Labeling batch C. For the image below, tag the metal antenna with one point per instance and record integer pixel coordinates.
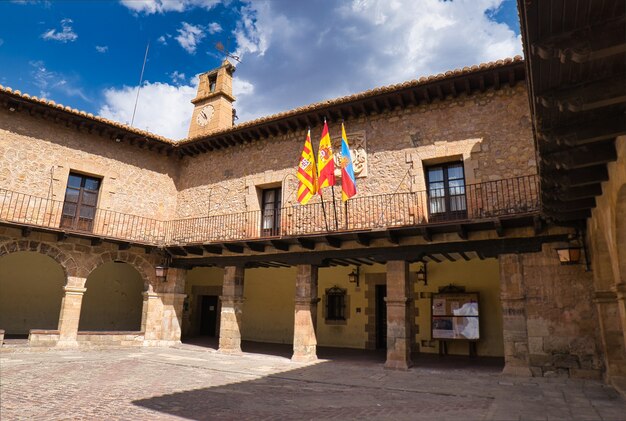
(224, 50)
(132, 120)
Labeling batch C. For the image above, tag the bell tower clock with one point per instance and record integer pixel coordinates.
(213, 109)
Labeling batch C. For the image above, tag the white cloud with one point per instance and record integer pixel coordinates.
(189, 36)
(177, 77)
(162, 6)
(214, 28)
(163, 109)
(49, 81)
(162, 40)
(296, 53)
(66, 34)
(102, 48)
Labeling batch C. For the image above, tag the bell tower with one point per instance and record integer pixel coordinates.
(213, 109)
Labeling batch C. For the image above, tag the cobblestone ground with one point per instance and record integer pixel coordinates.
(190, 382)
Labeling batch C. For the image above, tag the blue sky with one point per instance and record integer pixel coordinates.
(88, 54)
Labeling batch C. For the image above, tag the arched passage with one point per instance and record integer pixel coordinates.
(113, 300)
(31, 291)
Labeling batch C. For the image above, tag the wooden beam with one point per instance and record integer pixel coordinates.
(392, 237)
(363, 239)
(589, 96)
(233, 247)
(61, 236)
(497, 224)
(461, 230)
(306, 244)
(572, 205)
(537, 225)
(583, 156)
(577, 177)
(96, 241)
(27, 231)
(333, 241)
(215, 249)
(195, 250)
(447, 256)
(433, 258)
(426, 234)
(587, 132)
(575, 193)
(260, 247)
(464, 256)
(123, 246)
(280, 245)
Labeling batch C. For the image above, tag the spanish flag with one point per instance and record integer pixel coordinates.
(348, 182)
(307, 174)
(325, 161)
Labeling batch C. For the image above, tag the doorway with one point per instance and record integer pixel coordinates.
(381, 317)
(208, 315)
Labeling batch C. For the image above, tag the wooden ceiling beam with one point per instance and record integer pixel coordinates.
(582, 156)
(587, 132)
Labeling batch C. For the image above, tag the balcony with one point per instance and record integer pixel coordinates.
(475, 202)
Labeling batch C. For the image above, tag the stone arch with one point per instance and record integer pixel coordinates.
(113, 299)
(620, 231)
(138, 262)
(31, 292)
(67, 263)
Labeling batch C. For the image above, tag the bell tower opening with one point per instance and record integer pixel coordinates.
(213, 103)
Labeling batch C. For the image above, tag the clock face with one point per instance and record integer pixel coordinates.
(204, 116)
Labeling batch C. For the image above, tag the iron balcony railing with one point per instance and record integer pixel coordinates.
(508, 197)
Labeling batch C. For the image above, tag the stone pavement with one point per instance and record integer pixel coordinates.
(191, 382)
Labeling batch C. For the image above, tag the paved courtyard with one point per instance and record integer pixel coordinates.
(193, 382)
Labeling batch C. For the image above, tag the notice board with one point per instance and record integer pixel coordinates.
(455, 316)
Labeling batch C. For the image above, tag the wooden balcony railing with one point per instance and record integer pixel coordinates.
(492, 199)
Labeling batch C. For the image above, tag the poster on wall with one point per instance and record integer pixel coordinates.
(455, 316)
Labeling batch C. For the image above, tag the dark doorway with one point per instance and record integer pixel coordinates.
(381, 317)
(208, 315)
(270, 209)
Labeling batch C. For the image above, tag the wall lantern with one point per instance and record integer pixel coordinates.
(354, 276)
(569, 255)
(422, 274)
(161, 270)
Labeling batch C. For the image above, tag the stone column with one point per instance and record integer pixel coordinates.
(611, 332)
(162, 317)
(620, 291)
(515, 330)
(304, 339)
(398, 316)
(69, 317)
(232, 307)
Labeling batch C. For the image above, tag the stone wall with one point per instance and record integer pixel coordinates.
(37, 155)
(489, 131)
(549, 320)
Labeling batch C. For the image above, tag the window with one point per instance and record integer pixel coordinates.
(446, 191)
(270, 212)
(335, 304)
(81, 198)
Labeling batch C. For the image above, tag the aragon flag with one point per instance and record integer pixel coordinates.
(307, 173)
(348, 181)
(325, 161)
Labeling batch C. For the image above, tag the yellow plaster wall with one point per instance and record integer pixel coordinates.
(268, 309)
(480, 276)
(351, 334)
(31, 290)
(113, 300)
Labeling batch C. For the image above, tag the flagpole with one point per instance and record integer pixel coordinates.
(324, 210)
(335, 207)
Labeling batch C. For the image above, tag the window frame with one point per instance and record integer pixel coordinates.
(271, 212)
(446, 199)
(76, 220)
(336, 309)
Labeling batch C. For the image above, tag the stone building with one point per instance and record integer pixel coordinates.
(453, 213)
